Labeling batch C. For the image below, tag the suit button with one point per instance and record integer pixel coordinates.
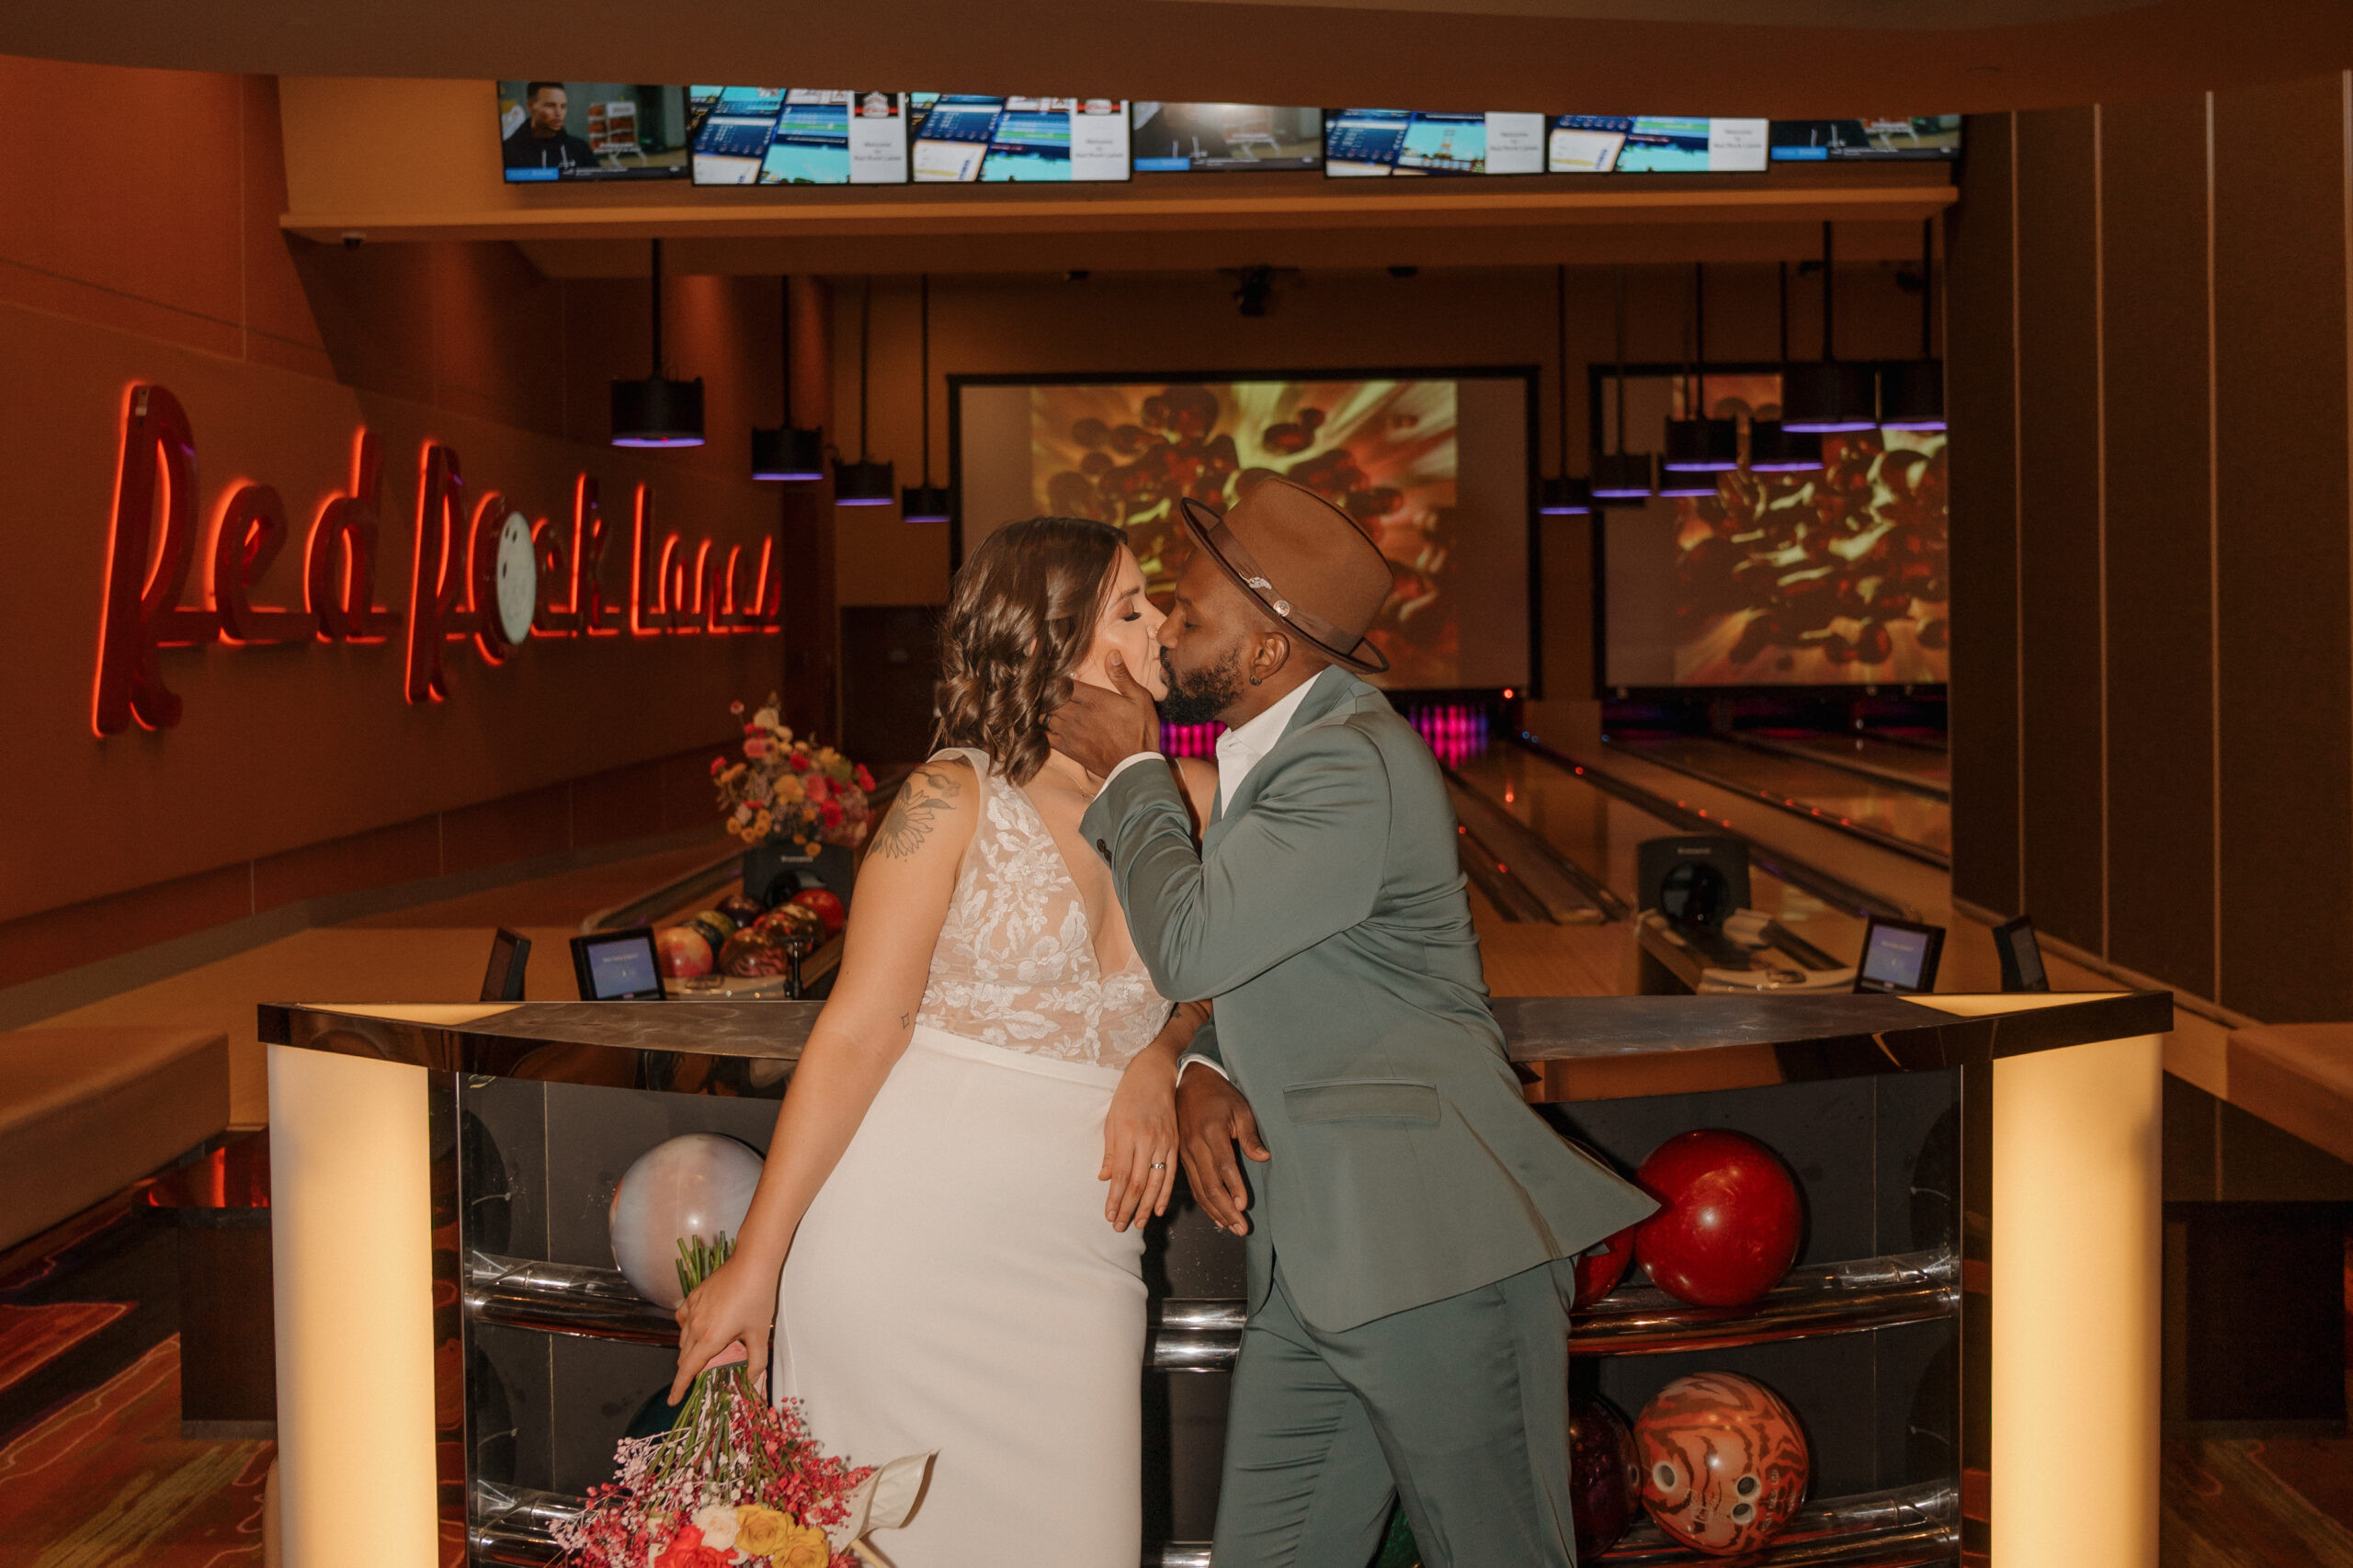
(1103, 849)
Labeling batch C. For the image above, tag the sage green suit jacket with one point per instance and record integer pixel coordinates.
(1324, 914)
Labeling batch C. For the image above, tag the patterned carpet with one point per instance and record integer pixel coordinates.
(106, 1481)
(94, 1473)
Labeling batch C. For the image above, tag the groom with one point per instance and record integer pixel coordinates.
(1408, 1217)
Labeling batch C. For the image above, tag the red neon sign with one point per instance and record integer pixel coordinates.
(676, 587)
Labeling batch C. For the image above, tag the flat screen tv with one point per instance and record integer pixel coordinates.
(1185, 138)
(1665, 143)
(799, 136)
(1888, 137)
(561, 131)
(1433, 463)
(1378, 142)
(958, 138)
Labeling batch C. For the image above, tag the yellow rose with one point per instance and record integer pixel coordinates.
(802, 1548)
(789, 790)
(771, 1533)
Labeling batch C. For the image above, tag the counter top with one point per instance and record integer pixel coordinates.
(1566, 1048)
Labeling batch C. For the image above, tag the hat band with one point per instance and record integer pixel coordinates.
(1238, 555)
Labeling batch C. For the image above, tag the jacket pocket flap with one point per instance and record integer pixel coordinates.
(1400, 1101)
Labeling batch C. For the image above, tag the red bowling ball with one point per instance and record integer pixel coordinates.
(1599, 1272)
(1605, 1477)
(1723, 1462)
(1729, 1220)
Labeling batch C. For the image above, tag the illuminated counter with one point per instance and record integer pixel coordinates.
(1969, 1337)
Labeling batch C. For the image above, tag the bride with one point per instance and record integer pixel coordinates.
(952, 1276)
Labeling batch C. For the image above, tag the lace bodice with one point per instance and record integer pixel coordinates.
(1016, 964)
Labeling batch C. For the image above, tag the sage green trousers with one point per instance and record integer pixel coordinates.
(1459, 1409)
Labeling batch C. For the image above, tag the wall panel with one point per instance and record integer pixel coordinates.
(2279, 275)
(2160, 671)
(1978, 386)
(2059, 523)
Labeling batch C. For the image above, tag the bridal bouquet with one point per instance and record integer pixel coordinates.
(735, 1481)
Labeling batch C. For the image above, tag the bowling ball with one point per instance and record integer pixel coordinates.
(1723, 1462)
(755, 954)
(715, 927)
(828, 908)
(742, 908)
(1599, 1272)
(699, 1184)
(1729, 1220)
(682, 952)
(1605, 1477)
(789, 923)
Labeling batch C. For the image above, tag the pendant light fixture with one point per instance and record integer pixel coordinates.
(1912, 392)
(658, 412)
(786, 452)
(1620, 475)
(864, 482)
(1828, 397)
(1563, 494)
(1773, 447)
(925, 503)
(1698, 447)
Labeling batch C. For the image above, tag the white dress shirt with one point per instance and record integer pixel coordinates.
(1238, 751)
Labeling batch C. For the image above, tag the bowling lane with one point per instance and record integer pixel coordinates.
(1912, 767)
(1599, 831)
(1901, 818)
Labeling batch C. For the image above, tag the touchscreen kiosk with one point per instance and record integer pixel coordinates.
(1899, 956)
(503, 979)
(618, 966)
(2021, 956)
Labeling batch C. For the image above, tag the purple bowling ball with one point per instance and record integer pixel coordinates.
(1605, 1477)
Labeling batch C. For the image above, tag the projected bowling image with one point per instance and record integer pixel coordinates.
(1828, 577)
(1382, 450)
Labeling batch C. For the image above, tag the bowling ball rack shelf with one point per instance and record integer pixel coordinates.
(1893, 1529)
(1204, 1335)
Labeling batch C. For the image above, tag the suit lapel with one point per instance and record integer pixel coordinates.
(1333, 691)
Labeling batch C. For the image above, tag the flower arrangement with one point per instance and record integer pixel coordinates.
(783, 787)
(736, 1481)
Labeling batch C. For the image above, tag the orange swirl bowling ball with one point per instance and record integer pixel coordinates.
(1724, 1463)
(1729, 1221)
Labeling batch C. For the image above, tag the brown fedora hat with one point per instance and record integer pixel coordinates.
(1306, 562)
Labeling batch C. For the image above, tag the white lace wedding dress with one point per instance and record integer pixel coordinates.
(955, 1285)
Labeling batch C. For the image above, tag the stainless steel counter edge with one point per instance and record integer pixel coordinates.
(1570, 1047)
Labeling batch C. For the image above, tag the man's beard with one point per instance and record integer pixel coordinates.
(1200, 697)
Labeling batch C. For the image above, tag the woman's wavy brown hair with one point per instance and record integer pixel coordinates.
(1021, 616)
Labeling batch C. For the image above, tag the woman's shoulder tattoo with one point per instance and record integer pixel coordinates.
(928, 793)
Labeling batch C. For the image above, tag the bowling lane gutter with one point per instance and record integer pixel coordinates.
(1854, 765)
(1831, 889)
(1819, 815)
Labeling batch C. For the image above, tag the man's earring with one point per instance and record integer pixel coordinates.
(1254, 680)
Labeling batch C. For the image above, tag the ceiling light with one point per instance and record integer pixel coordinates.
(657, 411)
(1563, 497)
(785, 451)
(925, 503)
(1774, 447)
(864, 481)
(1827, 397)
